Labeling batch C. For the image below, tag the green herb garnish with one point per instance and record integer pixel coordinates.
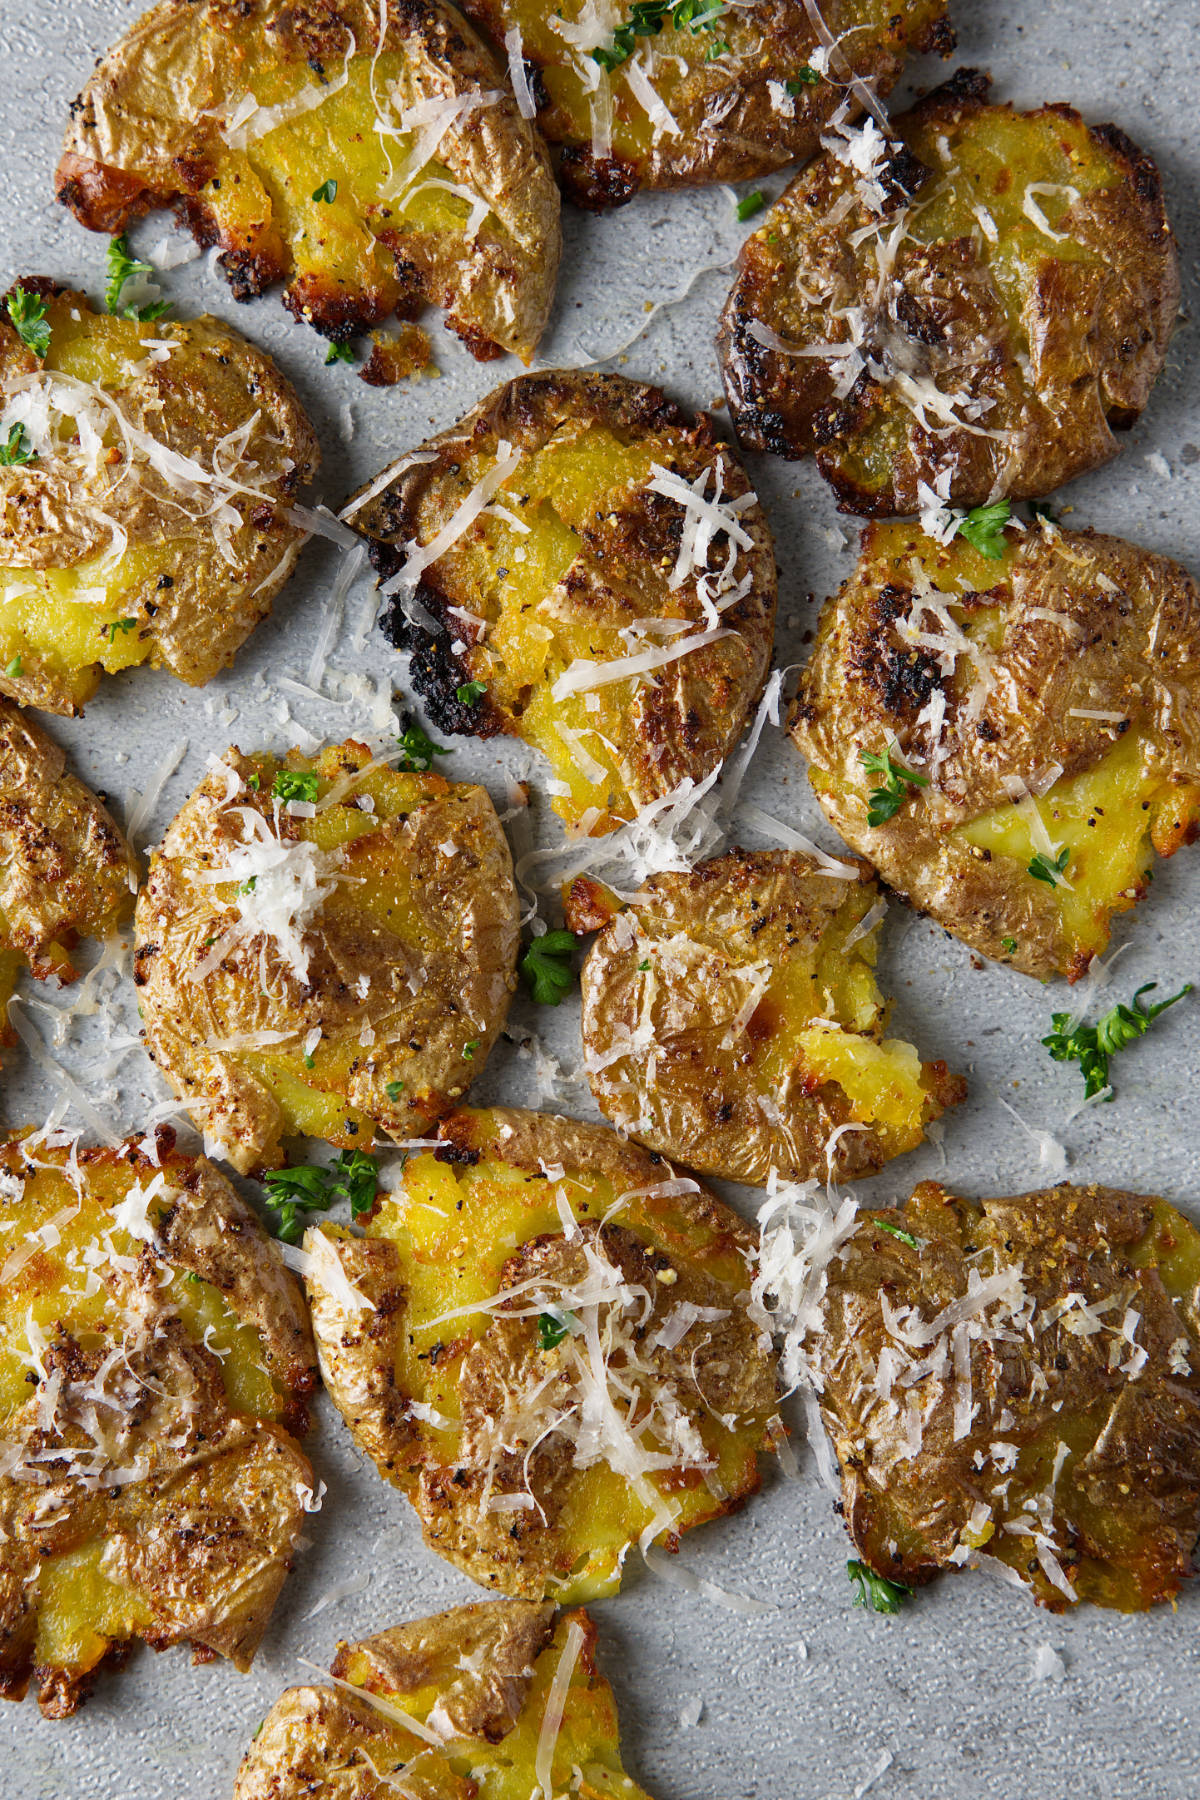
(28, 314)
(296, 784)
(552, 1328)
(254, 782)
(15, 453)
(13, 669)
(1009, 944)
(248, 886)
(393, 1089)
(470, 1049)
(875, 1592)
(750, 204)
(471, 692)
(906, 1237)
(983, 527)
(340, 353)
(1050, 869)
(121, 625)
(293, 1192)
(647, 18)
(643, 966)
(122, 267)
(419, 751)
(546, 966)
(1091, 1046)
(803, 78)
(326, 194)
(885, 801)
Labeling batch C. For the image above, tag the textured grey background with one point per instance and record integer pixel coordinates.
(805, 1704)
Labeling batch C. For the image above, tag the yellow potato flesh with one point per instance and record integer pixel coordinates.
(453, 1259)
(586, 1741)
(44, 616)
(80, 1609)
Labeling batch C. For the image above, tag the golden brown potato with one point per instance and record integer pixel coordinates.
(731, 1019)
(479, 1678)
(543, 1341)
(721, 97)
(150, 523)
(155, 1357)
(66, 871)
(1019, 1387)
(323, 946)
(1042, 696)
(977, 303)
(375, 170)
(589, 525)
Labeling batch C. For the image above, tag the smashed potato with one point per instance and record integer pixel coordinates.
(155, 1358)
(708, 93)
(1040, 695)
(480, 1679)
(1019, 1389)
(370, 155)
(605, 588)
(965, 310)
(543, 1341)
(731, 1019)
(325, 945)
(149, 523)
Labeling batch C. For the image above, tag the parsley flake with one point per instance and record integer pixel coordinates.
(122, 267)
(885, 801)
(471, 692)
(1009, 944)
(293, 1192)
(13, 669)
(419, 750)
(750, 204)
(1091, 1046)
(1051, 870)
(28, 314)
(647, 18)
(393, 1089)
(470, 1049)
(875, 1592)
(803, 78)
(546, 966)
(17, 451)
(552, 1328)
(906, 1237)
(326, 194)
(296, 784)
(983, 528)
(340, 353)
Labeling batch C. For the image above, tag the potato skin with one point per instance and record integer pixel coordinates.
(731, 128)
(193, 608)
(678, 724)
(1122, 1512)
(672, 961)
(437, 1002)
(1053, 370)
(672, 1250)
(142, 135)
(1089, 624)
(205, 1533)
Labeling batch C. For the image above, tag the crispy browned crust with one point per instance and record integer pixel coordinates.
(1125, 1510)
(1131, 646)
(195, 607)
(465, 965)
(692, 1092)
(1078, 363)
(64, 862)
(519, 1553)
(686, 720)
(730, 128)
(141, 139)
(205, 1536)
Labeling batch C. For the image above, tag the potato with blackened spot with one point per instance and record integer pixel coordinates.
(155, 1361)
(325, 945)
(66, 870)
(543, 1340)
(479, 1678)
(369, 155)
(605, 587)
(710, 92)
(966, 309)
(149, 522)
(1043, 695)
(1011, 1382)
(731, 1019)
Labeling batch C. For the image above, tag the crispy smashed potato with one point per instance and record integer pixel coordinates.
(998, 289)
(543, 1341)
(155, 1358)
(321, 964)
(1019, 1388)
(479, 1677)
(602, 533)
(369, 155)
(1041, 696)
(151, 523)
(717, 94)
(731, 1019)
(66, 870)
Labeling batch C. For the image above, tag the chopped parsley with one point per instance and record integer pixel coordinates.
(122, 267)
(1041, 510)
(121, 625)
(647, 18)
(1009, 944)
(750, 204)
(310, 1062)
(470, 1049)
(326, 194)
(393, 1089)
(1050, 869)
(875, 1592)
(13, 669)
(552, 1328)
(546, 966)
(471, 692)
(293, 1192)
(906, 1237)
(248, 886)
(643, 966)
(983, 528)
(419, 751)
(340, 353)
(296, 784)
(17, 450)
(28, 314)
(803, 78)
(885, 801)
(254, 782)
(1091, 1046)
